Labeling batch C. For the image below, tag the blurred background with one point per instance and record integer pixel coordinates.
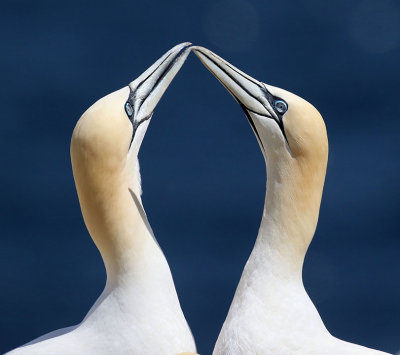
(202, 170)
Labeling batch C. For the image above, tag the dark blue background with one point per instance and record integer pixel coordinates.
(202, 170)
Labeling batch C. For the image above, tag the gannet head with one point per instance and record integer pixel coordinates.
(293, 140)
(109, 134)
(284, 123)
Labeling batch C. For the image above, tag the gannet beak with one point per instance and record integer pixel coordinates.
(251, 94)
(149, 87)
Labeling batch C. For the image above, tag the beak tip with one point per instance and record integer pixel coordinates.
(159, 76)
(183, 50)
(198, 48)
(199, 51)
(180, 48)
(183, 45)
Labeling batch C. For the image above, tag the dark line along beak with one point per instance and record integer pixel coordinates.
(147, 90)
(251, 94)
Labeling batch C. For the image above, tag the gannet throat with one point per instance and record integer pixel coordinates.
(271, 312)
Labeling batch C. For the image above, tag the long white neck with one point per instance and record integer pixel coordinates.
(270, 300)
(113, 212)
(139, 299)
(293, 196)
(104, 200)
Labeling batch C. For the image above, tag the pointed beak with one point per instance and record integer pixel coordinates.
(251, 94)
(147, 90)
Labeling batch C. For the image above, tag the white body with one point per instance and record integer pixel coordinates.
(271, 312)
(138, 313)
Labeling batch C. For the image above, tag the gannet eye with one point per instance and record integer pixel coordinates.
(280, 106)
(129, 109)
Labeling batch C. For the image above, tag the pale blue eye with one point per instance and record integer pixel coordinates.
(280, 106)
(129, 109)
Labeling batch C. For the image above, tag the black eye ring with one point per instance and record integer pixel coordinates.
(129, 109)
(280, 106)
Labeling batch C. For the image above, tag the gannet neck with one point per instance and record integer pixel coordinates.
(271, 312)
(112, 209)
(139, 300)
(292, 202)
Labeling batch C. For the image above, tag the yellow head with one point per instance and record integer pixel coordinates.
(283, 122)
(108, 136)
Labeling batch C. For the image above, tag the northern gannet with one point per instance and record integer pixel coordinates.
(138, 311)
(271, 312)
